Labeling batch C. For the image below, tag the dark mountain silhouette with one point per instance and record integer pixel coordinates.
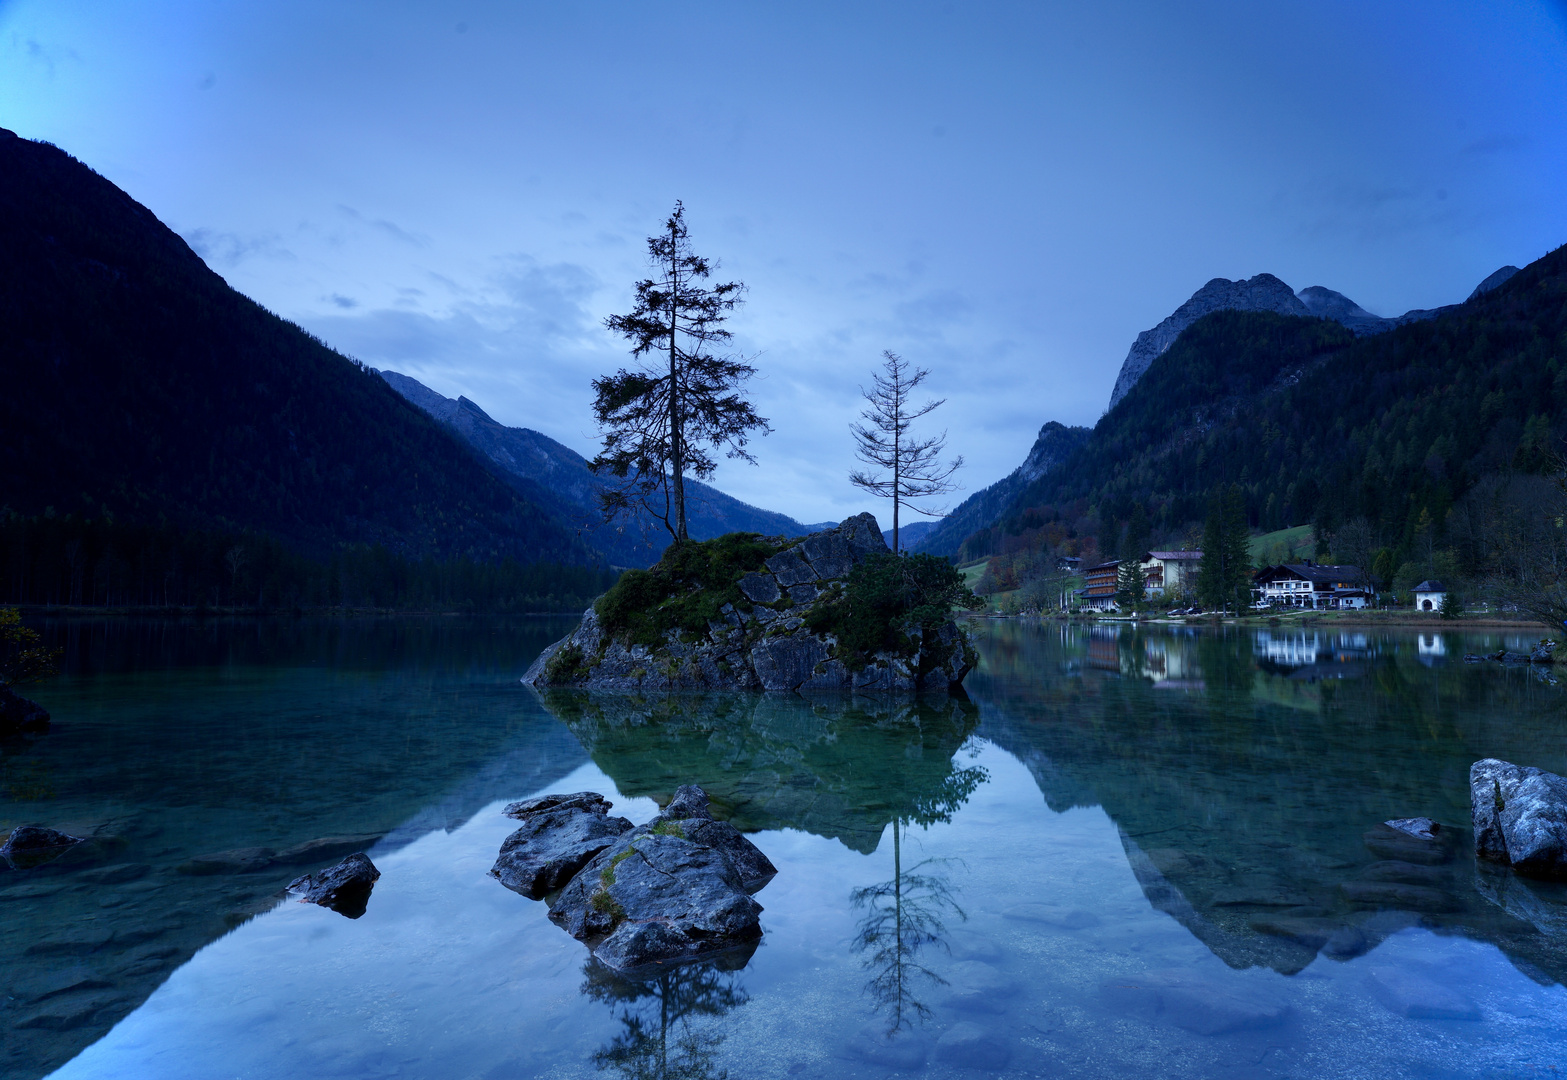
(1317, 424)
(139, 387)
(559, 477)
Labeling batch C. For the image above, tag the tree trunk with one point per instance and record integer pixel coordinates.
(676, 450)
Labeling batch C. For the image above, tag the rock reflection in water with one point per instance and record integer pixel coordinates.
(842, 768)
(662, 1035)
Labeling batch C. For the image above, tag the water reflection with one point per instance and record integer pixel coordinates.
(1251, 813)
(662, 1036)
(174, 740)
(1171, 827)
(841, 768)
(901, 917)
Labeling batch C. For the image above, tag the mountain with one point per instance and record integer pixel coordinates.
(910, 533)
(558, 476)
(1315, 423)
(1055, 444)
(1267, 293)
(140, 387)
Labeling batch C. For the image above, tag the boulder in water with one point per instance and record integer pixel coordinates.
(1520, 817)
(673, 890)
(345, 888)
(33, 845)
(559, 835)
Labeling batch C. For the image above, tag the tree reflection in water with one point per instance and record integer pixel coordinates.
(909, 911)
(659, 1040)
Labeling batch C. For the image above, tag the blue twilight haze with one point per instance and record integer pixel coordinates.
(1004, 193)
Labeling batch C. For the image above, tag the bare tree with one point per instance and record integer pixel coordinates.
(885, 443)
(660, 421)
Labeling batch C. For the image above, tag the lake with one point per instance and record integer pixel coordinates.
(1148, 852)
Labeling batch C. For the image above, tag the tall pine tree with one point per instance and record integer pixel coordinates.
(1224, 575)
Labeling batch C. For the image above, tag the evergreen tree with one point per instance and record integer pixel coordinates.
(1237, 551)
(1224, 574)
(1451, 608)
(1131, 584)
(661, 421)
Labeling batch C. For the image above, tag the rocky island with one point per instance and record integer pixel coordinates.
(835, 610)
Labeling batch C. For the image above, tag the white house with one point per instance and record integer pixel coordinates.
(1170, 572)
(1429, 596)
(1310, 585)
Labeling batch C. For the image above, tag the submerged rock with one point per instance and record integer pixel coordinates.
(234, 861)
(1400, 844)
(559, 835)
(1198, 1001)
(345, 888)
(32, 845)
(1421, 828)
(971, 1046)
(895, 1049)
(764, 639)
(1416, 997)
(1520, 817)
(18, 714)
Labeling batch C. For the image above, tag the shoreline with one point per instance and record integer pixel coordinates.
(1378, 620)
(172, 612)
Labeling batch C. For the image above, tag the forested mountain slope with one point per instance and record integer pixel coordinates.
(557, 474)
(1056, 444)
(140, 387)
(1316, 424)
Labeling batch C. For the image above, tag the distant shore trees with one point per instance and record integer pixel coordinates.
(661, 421)
(904, 467)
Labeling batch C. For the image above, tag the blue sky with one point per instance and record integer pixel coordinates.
(1004, 193)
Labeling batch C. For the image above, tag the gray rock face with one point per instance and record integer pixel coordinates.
(1267, 293)
(344, 888)
(31, 845)
(556, 840)
(657, 898)
(765, 644)
(673, 890)
(688, 813)
(1261, 293)
(1520, 817)
(1500, 277)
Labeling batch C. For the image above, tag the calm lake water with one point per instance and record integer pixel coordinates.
(1147, 853)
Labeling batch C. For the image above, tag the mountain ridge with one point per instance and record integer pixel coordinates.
(1265, 292)
(142, 387)
(557, 475)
